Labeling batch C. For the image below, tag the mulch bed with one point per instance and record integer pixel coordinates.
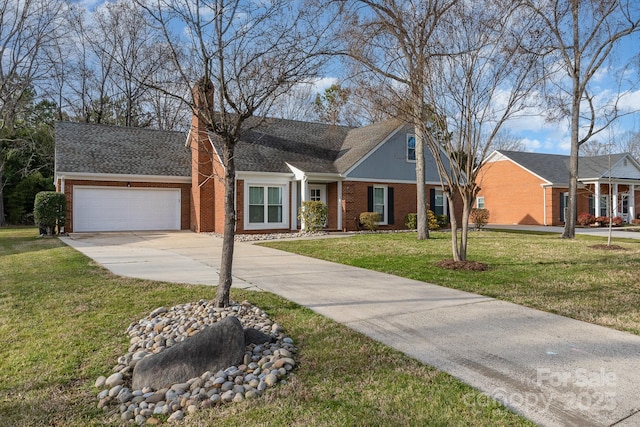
(608, 247)
(450, 264)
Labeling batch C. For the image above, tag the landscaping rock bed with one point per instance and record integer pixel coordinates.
(264, 365)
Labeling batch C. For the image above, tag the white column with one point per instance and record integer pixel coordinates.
(614, 205)
(596, 202)
(339, 220)
(632, 202)
(294, 204)
(304, 196)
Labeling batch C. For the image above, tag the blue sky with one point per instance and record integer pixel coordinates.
(537, 133)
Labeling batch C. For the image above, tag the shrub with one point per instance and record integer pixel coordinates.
(49, 211)
(617, 221)
(313, 214)
(635, 221)
(602, 220)
(585, 219)
(370, 220)
(480, 217)
(411, 221)
(443, 220)
(432, 221)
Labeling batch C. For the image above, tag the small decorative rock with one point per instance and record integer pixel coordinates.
(114, 380)
(267, 359)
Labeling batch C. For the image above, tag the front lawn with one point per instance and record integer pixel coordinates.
(63, 322)
(538, 270)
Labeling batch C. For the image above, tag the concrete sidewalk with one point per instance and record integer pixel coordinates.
(553, 370)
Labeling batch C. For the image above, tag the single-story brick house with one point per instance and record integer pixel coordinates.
(532, 188)
(118, 179)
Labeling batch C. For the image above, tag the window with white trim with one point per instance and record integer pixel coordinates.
(266, 205)
(480, 203)
(380, 202)
(604, 205)
(411, 148)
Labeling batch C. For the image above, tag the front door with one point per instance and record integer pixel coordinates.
(624, 202)
(318, 193)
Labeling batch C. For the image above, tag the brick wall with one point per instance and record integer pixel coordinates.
(185, 203)
(354, 195)
(202, 216)
(513, 195)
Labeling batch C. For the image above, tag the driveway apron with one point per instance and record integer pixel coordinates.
(553, 370)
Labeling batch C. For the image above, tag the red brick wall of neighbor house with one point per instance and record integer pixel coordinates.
(185, 203)
(512, 195)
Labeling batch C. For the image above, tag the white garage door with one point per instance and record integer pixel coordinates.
(125, 209)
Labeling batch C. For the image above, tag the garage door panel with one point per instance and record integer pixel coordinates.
(125, 209)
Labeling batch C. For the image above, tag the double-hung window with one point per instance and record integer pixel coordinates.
(380, 202)
(411, 148)
(266, 205)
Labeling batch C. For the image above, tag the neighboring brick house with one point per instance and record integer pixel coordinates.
(132, 179)
(119, 178)
(532, 188)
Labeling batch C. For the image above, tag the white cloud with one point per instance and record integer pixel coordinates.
(324, 83)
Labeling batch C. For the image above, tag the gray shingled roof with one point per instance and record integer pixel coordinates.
(310, 147)
(555, 167)
(92, 148)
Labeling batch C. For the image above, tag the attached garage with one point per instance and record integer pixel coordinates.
(122, 178)
(125, 209)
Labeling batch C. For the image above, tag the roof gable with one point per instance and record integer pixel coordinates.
(310, 147)
(554, 168)
(107, 149)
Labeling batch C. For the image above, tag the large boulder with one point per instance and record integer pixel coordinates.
(254, 336)
(214, 348)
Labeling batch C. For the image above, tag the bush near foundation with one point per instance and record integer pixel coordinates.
(313, 214)
(49, 211)
(480, 217)
(586, 219)
(370, 220)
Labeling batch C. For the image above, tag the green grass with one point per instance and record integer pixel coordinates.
(63, 322)
(538, 270)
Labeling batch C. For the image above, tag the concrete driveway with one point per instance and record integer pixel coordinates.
(553, 370)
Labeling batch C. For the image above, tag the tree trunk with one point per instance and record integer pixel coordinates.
(466, 212)
(454, 228)
(421, 189)
(2, 222)
(576, 94)
(225, 280)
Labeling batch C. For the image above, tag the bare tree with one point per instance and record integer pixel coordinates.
(133, 52)
(297, 104)
(473, 92)
(584, 34)
(27, 28)
(508, 141)
(241, 57)
(395, 41)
